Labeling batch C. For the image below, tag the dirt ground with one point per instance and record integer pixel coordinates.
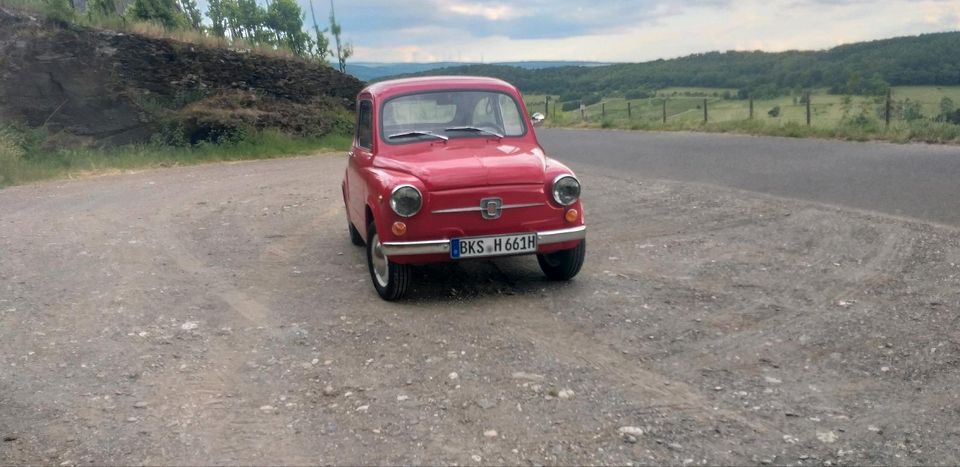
(219, 315)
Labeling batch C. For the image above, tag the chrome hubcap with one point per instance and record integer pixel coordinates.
(381, 266)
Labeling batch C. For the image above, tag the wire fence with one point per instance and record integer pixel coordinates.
(820, 110)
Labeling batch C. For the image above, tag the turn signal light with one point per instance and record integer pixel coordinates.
(399, 228)
(572, 215)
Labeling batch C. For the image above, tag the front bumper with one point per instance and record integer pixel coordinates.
(430, 247)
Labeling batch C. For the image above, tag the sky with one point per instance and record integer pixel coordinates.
(618, 30)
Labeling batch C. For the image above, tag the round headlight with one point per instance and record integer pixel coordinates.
(566, 190)
(406, 200)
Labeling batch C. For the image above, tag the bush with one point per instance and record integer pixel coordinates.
(591, 99)
(59, 10)
(952, 117)
(11, 146)
(638, 94)
(774, 112)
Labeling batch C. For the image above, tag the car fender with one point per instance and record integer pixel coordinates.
(380, 183)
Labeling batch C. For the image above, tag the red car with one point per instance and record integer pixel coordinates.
(449, 168)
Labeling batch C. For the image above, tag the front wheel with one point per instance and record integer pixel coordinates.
(390, 279)
(563, 265)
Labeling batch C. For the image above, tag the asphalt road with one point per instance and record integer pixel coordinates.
(915, 180)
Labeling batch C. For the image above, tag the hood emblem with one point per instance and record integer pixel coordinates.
(491, 208)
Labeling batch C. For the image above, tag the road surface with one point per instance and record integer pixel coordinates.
(218, 314)
(912, 180)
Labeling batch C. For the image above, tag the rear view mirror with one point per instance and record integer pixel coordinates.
(537, 119)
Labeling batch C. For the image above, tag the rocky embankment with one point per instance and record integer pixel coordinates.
(100, 87)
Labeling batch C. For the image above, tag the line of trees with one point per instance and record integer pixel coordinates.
(865, 68)
(278, 24)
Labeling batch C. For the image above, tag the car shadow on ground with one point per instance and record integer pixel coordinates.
(479, 279)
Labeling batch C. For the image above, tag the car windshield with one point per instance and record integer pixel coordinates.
(451, 114)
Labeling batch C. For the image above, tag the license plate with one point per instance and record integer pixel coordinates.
(474, 247)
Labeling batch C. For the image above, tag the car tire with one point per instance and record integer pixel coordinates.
(563, 265)
(355, 237)
(390, 279)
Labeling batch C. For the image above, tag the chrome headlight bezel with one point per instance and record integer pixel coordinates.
(554, 188)
(394, 204)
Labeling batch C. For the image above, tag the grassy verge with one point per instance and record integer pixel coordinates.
(917, 114)
(923, 131)
(22, 161)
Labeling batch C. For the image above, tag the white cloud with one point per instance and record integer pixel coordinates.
(492, 13)
(493, 30)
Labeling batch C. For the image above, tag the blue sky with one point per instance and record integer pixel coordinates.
(612, 30)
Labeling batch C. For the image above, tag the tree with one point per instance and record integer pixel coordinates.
(101, 8)
(344, 49)
(231, 13)
(249, 17)
(192, 14)
(218, 17)
(163, 12)
(320, 42)
(285, 19)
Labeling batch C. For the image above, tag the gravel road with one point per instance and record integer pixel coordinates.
(219, 315)
(912, 180)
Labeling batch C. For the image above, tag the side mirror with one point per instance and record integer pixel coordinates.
(537, 119)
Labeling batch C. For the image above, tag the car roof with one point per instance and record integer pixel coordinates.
(386, 89)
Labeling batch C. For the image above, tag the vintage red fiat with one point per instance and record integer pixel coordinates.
(449, 169)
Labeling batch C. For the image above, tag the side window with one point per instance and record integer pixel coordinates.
(365, 125)
(512, 121)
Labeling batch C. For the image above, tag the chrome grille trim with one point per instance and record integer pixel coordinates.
(478, 208)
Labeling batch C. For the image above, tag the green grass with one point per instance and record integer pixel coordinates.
(32, 164)
(832, 116)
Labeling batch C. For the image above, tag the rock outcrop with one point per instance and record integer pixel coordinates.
(105, 87)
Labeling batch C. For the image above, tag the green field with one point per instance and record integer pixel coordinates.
(684, 109)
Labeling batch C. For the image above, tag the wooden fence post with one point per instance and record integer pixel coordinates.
(603, 111)
(704, 111)
(808, 108)
(887, 108)
(751, 107)
(546, 107)
(664, 111)
(581, 111)
(629, 114)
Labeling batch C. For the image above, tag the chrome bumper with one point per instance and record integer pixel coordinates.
(431, 247)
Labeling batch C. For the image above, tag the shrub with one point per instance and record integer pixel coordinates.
(11, 145)
(638, 94)
(59, 10)
(774, 112)
(591, 99)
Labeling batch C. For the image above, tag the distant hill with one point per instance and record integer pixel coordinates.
(370, 71)
(861, 68)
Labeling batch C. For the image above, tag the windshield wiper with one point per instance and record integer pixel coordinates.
(406, 134)
(475, 130)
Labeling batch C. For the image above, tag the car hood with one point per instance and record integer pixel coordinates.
(451, 166)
